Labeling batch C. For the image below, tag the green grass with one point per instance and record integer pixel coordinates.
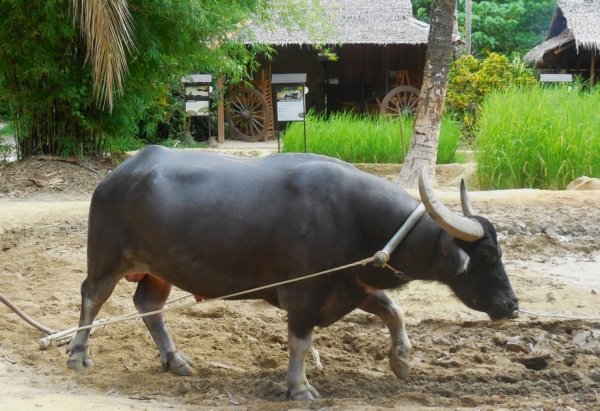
(364, 139)
(537, 138)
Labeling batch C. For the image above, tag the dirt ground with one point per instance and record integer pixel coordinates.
(461, 360)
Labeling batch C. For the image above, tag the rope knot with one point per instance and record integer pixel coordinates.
(380, 258)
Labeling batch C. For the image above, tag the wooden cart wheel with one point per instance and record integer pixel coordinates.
(400, 100)
(248, 114)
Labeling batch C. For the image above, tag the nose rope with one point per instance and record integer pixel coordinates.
(570, 317)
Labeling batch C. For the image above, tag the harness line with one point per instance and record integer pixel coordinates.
(380, 259)
(47, 341)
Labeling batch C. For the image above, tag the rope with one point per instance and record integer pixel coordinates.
(24, 316)
(570, 317)
(380, 259)
(47, 341)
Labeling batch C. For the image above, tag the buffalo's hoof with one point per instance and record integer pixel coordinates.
(78, 361)
(180, 365)
(399, 363)
(303, 392)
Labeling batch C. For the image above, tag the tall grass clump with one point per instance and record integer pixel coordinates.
(364, 139)
(538, 138)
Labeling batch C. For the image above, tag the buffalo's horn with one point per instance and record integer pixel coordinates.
(465, 200)
(460, 227)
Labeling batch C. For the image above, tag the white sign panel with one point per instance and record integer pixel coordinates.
(290, 102)
(197, 99)
(197, 108)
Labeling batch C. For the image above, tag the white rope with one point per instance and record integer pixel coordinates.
(380, 259)
(570, 317)
(47, 341)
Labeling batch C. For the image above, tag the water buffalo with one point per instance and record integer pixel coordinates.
(213, 225)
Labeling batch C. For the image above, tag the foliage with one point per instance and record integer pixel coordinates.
(470, 80)
(509, 26)
(4, 107)
(49, 87)
(6, 149)
(364, 139)
(422, 9)
(540, 137)
(501, 26)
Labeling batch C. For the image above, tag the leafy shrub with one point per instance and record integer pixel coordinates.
(365, 139)
(540, 137)
(470, 80)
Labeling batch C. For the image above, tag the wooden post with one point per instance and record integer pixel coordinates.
(593, 70)
(220, 112)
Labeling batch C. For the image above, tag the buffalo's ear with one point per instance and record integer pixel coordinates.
(459, 259)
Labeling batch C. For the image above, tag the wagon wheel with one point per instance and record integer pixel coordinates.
(249, 114)
(400, 100)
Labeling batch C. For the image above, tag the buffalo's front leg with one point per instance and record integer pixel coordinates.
(150, 295)
(379, 304)
(298, 387)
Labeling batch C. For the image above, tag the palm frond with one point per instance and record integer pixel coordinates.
(107, 28)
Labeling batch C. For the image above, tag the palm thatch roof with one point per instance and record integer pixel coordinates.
(575, 21)
(355, 22)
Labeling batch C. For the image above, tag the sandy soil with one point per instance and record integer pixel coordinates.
(461, 360)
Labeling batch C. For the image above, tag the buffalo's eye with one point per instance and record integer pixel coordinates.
(488, 256)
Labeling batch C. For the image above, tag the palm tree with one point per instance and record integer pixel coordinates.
(106, 27)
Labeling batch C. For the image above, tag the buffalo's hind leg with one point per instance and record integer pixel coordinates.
(93, 296)
(150, 295)
(379, 304)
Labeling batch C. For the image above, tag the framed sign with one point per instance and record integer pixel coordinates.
(197, 90)
(197, 100)
(290, 96)
(290, 102)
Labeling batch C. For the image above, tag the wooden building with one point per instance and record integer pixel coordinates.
(573, 41)
(378, 45)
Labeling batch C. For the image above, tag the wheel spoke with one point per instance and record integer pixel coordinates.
(413, 105)
(237, 104)
(257, 124)
(252, 105)
(400, 100)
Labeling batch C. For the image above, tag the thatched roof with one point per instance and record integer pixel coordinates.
(574, 20)
(357, 22)
(536, 54)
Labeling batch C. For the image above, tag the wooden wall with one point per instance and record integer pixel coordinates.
(360, 70)
(570, 60)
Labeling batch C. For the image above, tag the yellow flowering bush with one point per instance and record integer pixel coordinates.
(470, 80)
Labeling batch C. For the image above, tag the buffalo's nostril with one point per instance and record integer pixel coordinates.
(513, 309)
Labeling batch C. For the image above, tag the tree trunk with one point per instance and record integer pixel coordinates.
(456, 41)
(468, 25)
(426, 130)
